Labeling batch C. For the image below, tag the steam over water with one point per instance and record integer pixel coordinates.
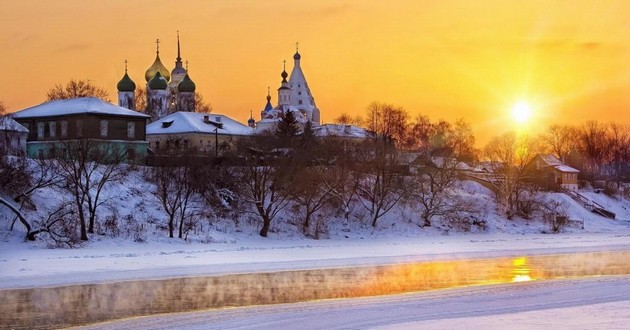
(82, 304)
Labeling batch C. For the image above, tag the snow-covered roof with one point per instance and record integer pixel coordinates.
(551, 160)
(8, 124)
(341, 130)
(193, 122)
(83, 105)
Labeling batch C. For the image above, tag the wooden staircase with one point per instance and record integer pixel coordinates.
(588, 204)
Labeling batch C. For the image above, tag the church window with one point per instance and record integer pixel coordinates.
(299, 93)
(131, 130)
(104, 125)
(52, 129)
(64, 128)
(40, 130)
(300, 102)
(299, 86)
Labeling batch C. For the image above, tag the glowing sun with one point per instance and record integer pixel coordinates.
(521, 112)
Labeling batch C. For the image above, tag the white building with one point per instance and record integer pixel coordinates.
(197, 132)
(294, 95)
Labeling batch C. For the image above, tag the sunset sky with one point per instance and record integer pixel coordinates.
(568, 60)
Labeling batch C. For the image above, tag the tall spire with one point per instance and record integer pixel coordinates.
(178, 71)
(157, 42)
(179, 58)
(125, 66)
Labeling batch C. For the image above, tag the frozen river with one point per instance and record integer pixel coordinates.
(585, 303)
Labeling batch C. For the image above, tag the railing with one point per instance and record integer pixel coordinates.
(588, 204)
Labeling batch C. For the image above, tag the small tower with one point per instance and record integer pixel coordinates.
(251, 122)
(268, 106)
(284, 92)
(126, 91)
(157, 97)
(186, 95)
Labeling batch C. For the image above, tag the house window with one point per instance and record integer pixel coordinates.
(41, 127)
(131, 130)
(79, 128)
(64, 128)
(103, 128)
(52, 129)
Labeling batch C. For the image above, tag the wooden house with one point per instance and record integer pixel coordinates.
(54, 123)
(549, 172)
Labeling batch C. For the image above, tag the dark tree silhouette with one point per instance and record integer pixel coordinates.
(77, 88)
(288, 126)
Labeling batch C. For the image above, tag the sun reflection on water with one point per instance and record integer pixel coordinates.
(521, 270)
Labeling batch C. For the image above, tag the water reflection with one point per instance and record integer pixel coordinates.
(54, 307)
(521, 271)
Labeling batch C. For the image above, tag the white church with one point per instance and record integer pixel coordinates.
(294, 96)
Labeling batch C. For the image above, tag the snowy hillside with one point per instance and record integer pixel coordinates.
(130, 212)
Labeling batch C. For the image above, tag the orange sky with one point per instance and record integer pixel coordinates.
(447, 59)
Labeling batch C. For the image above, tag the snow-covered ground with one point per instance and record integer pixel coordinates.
(232, 245)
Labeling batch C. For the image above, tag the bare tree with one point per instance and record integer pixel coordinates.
(175, 189)
(346, 173)
(618, 137)
(383, 185)
(3, 109)
(201, 105)
(309, 191)
(388, 122)
(433, 189)
(462, 141)
(88, 167)
(141, 100)
(264, 179)
(508, 155)
(77, 88)
(20, 181)
(593, 145)
(346, 119)
(561, 139)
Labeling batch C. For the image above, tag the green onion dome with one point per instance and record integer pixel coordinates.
(186, 85)
(126, 84)
(158, 82)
